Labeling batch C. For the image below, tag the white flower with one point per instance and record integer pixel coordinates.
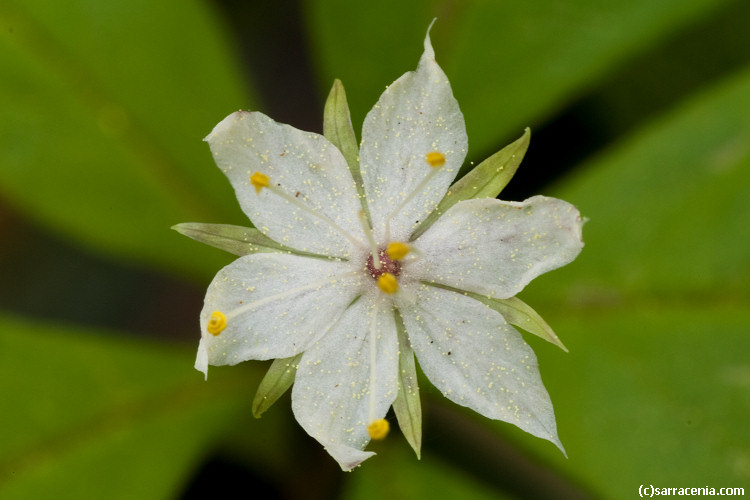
(345, 310)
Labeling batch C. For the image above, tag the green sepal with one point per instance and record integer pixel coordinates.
(407, 406)
(338, 129)
(486, 180)
(277, 381)
(515, 311)
(237, 240)
(518, 313)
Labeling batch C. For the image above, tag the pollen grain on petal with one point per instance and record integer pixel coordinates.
(388, 283)
(397, 250)
(378, 429)
(216, 323)
(435, 159)
(259, 181)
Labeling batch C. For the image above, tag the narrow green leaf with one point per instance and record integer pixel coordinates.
(486, 180)
(515, 311)
(518, 313)
(337, 128)
(237, 240)
(407, 406)
(278, 380)
(489, 178)
(234, 239)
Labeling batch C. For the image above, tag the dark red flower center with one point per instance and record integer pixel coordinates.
(387, 265)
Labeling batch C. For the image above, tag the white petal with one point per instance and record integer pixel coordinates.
(331, 397)
(201, 360)
(416, 115)
(476, 359)
(497, 247)
(305, 166)
(276, 305)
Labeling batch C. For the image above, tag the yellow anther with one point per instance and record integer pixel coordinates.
(378, 429)
(259, 180)
(397, 250)
(387, 282)
(216, 323)
(435, 159)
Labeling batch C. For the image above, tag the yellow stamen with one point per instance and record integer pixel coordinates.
(387, 282)
(216, 323)
(435, 159)
(259, 180)
(397, 250)
(378, 429)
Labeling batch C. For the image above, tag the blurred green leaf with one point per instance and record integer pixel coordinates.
(658, 393)
(87, 415)
(105, 105)
(669, 209)
(654, 310)
(510, 63)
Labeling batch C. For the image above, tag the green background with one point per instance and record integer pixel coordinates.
(640, 116)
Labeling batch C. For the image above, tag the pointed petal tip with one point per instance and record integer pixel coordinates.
(201, 360)
(347, 457)
(225, 124)
(183, 227)
(432, 23)
(556, 441)
(428, 50)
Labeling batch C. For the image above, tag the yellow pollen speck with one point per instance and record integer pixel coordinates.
(378, 429)
(397, 250)
(387, 282)
(435, 159)
(259, 181)
(216, 323)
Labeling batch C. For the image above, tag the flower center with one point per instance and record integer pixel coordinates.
(387, 265)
